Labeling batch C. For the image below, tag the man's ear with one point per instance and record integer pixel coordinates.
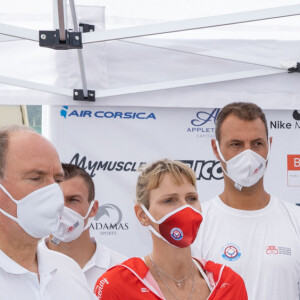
(94, 210)
(214, 147)
(271, 140)
(141, 215)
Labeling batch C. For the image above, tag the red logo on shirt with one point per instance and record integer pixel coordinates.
(271, 250)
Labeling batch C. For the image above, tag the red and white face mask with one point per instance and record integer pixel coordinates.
(179, 227)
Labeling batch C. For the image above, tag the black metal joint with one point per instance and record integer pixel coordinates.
(79, 96)
(295, 69)
(86, 27)
(50, 39)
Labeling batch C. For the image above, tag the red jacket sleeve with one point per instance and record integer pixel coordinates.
(108, 286)
(230, 286)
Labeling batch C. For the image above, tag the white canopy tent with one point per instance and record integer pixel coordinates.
(200, 67)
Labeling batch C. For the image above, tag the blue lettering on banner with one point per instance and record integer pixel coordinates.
(203, 117)
(105, 114)
(204, 124)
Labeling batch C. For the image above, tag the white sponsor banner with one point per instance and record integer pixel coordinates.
(111, 143)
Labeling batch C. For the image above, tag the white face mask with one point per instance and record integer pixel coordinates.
(39, 212)
(245, 169)
(71, 225)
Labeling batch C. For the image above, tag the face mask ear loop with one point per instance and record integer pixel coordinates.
(222, 158)
(151, 227)
(88, 212)
(10, 196)
(148, 214)
(236, 185)
(269, 149)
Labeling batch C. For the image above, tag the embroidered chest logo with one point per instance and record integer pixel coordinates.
(275, 250)
(231, 252)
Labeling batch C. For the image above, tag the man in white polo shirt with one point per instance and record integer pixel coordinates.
(251, 231)
(73, 236)
(31, 205)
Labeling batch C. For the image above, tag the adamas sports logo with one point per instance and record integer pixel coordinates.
(102, 114)
(203, 125)
(109, 220)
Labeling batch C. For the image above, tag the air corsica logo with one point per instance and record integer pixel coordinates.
(108, 220)
(100, 114)
(204, 123)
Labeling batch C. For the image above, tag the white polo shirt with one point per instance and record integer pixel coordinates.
(103, 259)
(60, 278)
(263, 246)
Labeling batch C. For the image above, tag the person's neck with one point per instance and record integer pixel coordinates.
(176, 262)
(249, 198)
(81, 250)
(21, 248)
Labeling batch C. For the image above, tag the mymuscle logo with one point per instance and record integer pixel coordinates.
(204, 169)
(204, 123)
(100, 114)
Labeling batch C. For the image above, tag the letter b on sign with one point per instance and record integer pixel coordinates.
(293, 162)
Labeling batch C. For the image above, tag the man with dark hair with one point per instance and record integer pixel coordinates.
(73, 236)
(244, 227)
(31, 205)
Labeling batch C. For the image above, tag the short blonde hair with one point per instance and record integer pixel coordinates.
(151, 176)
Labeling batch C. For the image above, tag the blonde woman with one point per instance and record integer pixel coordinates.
(167, 202)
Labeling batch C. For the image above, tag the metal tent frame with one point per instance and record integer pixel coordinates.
(130, 34)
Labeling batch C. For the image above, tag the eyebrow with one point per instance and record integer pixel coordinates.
(41, 172)
(241, 141)
(74, 195)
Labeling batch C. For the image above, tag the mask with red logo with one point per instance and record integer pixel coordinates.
(71, 225)
(178, 228)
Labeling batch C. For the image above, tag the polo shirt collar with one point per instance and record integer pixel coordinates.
(101, 257)
(10, 266)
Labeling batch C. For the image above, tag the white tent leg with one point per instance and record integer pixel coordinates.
(79, 51)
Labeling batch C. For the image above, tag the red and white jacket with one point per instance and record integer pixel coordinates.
(132, 280)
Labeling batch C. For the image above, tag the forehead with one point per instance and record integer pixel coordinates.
(235, 128)
(75, 185)
(28, 150)
(168, 185)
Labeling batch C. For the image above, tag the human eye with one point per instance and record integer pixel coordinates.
(257, 144)
(33, 178)
(58, 181)
(169, 200)
(192, 199)
(235, 144)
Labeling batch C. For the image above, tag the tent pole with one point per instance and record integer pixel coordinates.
(61, 20)
(79, 51)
